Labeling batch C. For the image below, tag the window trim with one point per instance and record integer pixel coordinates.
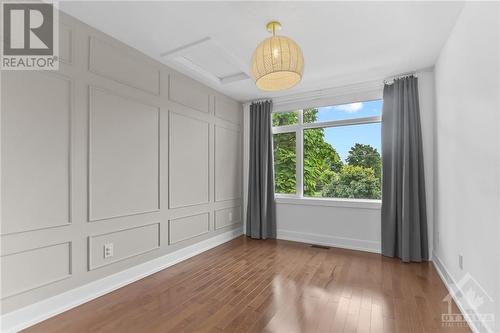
(291, 199)
(298, 129)
(323, 124)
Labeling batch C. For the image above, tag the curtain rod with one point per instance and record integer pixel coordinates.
(262, 100)
(390, 80)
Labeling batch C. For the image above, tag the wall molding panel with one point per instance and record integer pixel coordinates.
(111, 157)
(187, 227)
(42, 115)
(188, 169)
(226, 217)
(228, 110)
(228, 170)
(116, 148)
(110, 61)
(183, 91)
(35, 267)
(66, 47)
(140, 240)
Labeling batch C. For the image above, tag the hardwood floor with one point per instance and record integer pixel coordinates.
(270, 286)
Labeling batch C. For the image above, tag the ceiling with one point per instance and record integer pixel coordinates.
(342, 42)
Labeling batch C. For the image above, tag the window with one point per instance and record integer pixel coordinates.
(329, 152)
(285, 162)
(286, 118)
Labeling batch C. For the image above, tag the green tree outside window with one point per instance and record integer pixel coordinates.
(325, 174)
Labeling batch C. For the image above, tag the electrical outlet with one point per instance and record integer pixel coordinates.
(230, 216)
(108, 250)
(460, 261)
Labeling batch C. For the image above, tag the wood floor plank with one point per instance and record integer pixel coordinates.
(270, 286)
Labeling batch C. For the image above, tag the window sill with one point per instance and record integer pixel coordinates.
(345, 203)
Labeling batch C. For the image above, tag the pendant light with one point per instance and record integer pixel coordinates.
(277, 62)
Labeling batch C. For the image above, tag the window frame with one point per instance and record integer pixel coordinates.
(298, 129)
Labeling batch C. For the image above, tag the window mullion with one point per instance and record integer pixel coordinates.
(299, 148)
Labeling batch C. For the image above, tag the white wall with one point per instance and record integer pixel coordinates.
(427, 121)
(467, 166)
(113, 148)
(316, 222)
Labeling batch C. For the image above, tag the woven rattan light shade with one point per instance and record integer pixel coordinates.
(277, 64)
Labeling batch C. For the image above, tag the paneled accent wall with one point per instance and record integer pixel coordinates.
(114, 148)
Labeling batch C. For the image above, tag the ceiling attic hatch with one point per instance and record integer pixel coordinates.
(209, 60)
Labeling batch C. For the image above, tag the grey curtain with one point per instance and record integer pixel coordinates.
(404, 216)
(261, 216)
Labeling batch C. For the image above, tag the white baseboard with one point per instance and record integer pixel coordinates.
(345, 243)
(35, 313)
(451, 285)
